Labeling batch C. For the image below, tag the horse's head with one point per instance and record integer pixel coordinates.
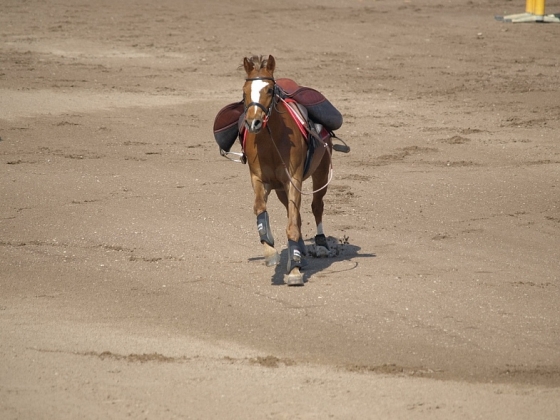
(258, 91)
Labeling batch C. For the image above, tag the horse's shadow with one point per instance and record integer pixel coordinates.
(342, 250)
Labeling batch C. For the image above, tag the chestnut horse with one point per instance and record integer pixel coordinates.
(276, 153)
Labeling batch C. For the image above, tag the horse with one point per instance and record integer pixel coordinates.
(275, 150)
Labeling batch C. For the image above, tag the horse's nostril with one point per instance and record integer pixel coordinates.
(254, 126)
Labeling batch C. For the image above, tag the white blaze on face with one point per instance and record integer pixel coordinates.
(256, 87)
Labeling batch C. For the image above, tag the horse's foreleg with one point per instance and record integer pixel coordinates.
(296, 246)
(320, 178)
(283, 197)
(271, 256)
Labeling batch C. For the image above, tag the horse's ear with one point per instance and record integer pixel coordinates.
(248, 65)
(270, 64)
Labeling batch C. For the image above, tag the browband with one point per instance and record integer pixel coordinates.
(260, 78)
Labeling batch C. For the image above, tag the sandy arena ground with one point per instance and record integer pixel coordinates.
(131, 277)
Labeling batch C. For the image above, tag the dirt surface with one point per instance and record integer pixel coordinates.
(131, 276)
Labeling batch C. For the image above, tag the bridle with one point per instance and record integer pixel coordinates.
(267, 111)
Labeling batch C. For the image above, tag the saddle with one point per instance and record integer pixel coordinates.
(319, 108)
(307, 104)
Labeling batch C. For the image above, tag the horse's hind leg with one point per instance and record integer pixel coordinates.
(320, 179)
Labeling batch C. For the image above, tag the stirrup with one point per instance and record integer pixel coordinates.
(344, 148)
(242, 158)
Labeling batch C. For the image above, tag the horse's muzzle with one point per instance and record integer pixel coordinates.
(254, 125)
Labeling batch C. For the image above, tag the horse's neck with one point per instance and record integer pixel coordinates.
(276, 125)
(279, 113)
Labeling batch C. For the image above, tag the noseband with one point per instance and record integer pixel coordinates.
(258, 104)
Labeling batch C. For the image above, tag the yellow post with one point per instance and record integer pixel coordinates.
(539, 7)
(534, 12)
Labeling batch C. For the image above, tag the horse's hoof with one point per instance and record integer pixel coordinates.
(272, 260)
(271, 256)
(295, 278)
(321, 252)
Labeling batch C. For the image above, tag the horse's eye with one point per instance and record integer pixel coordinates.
(270, 90)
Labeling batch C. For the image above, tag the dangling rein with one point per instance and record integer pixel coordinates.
(304, 131)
